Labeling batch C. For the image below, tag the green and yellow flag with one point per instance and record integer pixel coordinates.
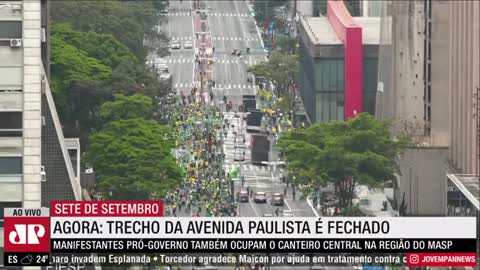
(235, 172)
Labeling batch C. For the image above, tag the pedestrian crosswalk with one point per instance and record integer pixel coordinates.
(182, 38)
(177, 14)
(215, 60)
(179, 61)
(235, 61)
(220, 14)
(236, 38)
(181, 85)
(245, 168)
(233, 86)
(223, 14)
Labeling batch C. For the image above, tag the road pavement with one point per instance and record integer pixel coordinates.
(181, 62)
(233, 27)
(259, 178)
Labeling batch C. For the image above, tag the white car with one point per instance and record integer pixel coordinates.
(260, 197)
(188, 44)
(176, 44)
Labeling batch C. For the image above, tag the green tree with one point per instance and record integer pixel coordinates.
(282, 70)
(77, 81)
(287, 44)
(128, 78)
(360, 151)
(128, 21)
(264, 10)
(104, 47)
(126, 107)
(70, 64)
(98, 50)
(82, 99)
(132, 159)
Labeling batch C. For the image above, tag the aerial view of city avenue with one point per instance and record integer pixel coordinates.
(242, 108)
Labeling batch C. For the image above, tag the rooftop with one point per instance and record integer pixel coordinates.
(320, 32)
(469, 185)
(370, 29)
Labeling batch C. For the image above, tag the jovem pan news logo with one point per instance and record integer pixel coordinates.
(26, 237)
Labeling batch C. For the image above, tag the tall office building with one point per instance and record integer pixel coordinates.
(464, 84)
(35, 165)
(464, 100)
(413, 91)
(428, 76)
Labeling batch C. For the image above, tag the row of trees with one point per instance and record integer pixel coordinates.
(130, 22)
(97, 51)
(104, 92)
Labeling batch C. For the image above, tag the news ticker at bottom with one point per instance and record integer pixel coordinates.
(375, 261)
(276, 245)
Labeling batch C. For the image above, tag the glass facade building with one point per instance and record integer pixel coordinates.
(322, 82)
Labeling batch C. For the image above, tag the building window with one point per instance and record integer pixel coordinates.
(10, 29)
(4, 205)
(11, 124)
(11, 165)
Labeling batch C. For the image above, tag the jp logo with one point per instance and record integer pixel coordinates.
(27, 234)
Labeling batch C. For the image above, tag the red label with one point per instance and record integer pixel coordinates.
(27, 234)
(106, 208)
(442, 259)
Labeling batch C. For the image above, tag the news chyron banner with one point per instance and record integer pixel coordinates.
(136, 232)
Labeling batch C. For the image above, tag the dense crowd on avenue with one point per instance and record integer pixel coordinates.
(199, 150)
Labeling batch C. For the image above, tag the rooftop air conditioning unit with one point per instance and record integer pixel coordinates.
(15, 43)
(43, 174)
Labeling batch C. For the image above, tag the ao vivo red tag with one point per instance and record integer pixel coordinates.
(26, 234)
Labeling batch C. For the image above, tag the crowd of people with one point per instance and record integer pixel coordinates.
(205, 189)
(275, 122)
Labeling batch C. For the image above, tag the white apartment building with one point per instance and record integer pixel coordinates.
(35, 165)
